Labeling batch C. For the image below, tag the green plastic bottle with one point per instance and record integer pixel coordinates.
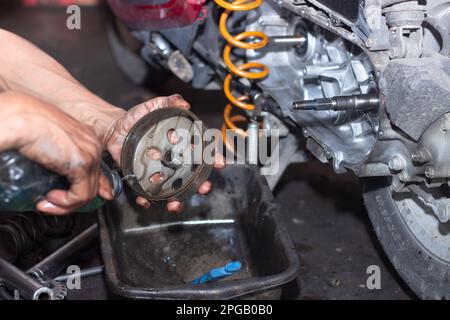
(23, 183)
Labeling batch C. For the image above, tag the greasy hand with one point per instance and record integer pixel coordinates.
(116, 137)
(57, 141)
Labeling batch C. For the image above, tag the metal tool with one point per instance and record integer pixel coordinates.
(28, 287)
(163, 157)
(83, 273)
(51, 266)
(38, 283)
(361, 102)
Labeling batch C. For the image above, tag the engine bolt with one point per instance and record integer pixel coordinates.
(443, 213)
(429, 172)
(396, 163)
(421, 156)
(252, 143)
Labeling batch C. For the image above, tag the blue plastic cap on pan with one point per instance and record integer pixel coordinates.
(233, 266)
(219, 273)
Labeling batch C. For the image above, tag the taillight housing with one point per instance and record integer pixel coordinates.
(158, 14)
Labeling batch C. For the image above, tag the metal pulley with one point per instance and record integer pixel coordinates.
(165, 155)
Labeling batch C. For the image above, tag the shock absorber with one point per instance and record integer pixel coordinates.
(248, 40)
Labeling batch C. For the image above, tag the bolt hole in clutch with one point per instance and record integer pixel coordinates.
(163, 157)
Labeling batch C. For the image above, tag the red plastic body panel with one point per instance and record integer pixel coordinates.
(157, 14)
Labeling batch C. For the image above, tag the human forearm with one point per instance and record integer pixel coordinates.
(25, 68)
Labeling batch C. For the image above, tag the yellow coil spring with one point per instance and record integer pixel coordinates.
(249, 70)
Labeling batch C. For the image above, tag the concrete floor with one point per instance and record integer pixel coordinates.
(324, 212)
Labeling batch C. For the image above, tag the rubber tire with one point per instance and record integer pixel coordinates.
(427, 276)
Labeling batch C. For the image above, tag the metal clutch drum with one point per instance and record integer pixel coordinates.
(163, 157)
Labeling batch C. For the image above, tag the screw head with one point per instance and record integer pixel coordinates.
(369, 42)
(396, 163)
(443, 213)
(393, 53)
(403, 176)
(429, 172)
(421, 156)
(415, 156)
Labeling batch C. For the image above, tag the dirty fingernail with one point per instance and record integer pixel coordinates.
(175, 207)
(205, 187)
(143, 203)
(176, 95)
(47, 205)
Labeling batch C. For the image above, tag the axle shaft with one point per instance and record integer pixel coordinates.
(362, 102)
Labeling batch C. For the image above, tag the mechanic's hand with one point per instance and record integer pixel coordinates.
(116, 137)
(52, 138)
